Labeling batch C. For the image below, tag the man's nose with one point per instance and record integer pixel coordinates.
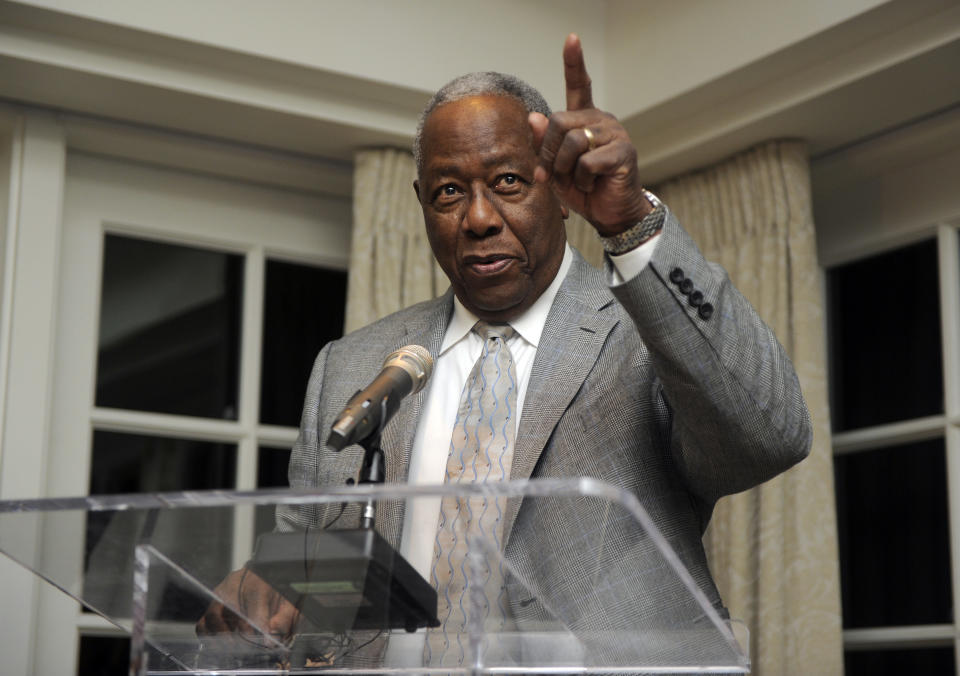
(483, 218)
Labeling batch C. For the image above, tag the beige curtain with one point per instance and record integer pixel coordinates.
(391, 265)
(583, 238)
(773, 549)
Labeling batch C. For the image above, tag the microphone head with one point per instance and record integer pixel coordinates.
(416, 361)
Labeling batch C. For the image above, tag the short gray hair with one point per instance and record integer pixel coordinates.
(488, 83)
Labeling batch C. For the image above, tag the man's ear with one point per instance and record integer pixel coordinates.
(563, 210)
(416, 188)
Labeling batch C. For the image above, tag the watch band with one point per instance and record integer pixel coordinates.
(636, 235)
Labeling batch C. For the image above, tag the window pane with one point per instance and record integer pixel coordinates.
(899, 662)
(131, 463)
(104, 656)
(135, 463)
(272, 467)
(885, 338)
(110, 656)
(169, 328)
(303, 310)
(894, 542)
(271, 473)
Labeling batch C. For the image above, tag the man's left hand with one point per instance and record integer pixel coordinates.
(587, 154)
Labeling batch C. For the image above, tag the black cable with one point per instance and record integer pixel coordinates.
(351, 651)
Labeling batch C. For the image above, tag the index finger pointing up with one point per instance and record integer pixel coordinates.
(579, 95)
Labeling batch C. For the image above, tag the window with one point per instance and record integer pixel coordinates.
(892, 436)
(191, 310)
(169, 336)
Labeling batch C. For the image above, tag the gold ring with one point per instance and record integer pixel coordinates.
(591, 139)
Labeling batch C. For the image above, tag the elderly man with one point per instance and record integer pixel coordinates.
(655, 375)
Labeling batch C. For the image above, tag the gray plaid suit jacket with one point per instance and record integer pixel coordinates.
(630, 385)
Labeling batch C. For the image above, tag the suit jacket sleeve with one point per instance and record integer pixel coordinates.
(738, 414)
(304, 468)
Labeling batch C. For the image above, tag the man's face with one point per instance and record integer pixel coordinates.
(497, 235)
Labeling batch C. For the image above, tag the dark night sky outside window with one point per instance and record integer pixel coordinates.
(893, 533)
(303, 310)
(169, 338)
(885, 347)
(134, 463)
(899, 662)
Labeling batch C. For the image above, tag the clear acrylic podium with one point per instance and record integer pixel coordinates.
(611, 597)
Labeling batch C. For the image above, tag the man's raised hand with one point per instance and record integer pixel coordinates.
(587, 155)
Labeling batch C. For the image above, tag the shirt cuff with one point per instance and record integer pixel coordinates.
(628, 265)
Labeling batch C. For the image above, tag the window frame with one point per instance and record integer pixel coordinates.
(106, 196)
(945, 426)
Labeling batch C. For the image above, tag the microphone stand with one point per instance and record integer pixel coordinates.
(373, 469)
(394, 595)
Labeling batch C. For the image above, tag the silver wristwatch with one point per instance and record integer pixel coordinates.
(639, 233)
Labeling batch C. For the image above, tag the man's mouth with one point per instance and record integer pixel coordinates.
(488, 265)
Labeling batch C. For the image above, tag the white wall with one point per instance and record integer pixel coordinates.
(652, 50)
(7, 131)
(693, 80)
(664, 49)
(888, 191)
(419, 44)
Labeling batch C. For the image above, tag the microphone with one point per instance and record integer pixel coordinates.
(404, 372)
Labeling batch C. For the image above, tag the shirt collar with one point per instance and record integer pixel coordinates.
(529, 325)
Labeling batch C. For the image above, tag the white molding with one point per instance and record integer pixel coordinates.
(9, 251)
(831, 89)
(251, 348)
(204, 154)
(27, 418)
(919, 636)
(319, 224)
(167, 425)
(306, 258)
(949, 268)
(213, 73)
(91, 624)
(906, 145)
(276, 436)
(894, 434)
(34, 300)
(948, 247)
(866, 247)
(953, 520)
(198, 153)
(249, 398)
(888, 192)
(55, 59)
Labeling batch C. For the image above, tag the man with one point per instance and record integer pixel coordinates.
(655, 375)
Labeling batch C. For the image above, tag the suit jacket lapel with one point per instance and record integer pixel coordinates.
(427, 330)
(575, 331)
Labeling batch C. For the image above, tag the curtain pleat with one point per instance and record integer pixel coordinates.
(583, 238)
(391, 265)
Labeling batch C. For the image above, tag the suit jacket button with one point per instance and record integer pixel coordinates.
(705, 311)
(676, 275)
(696, 299)
(686, 286)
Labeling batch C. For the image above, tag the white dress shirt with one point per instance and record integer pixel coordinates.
(459, 352)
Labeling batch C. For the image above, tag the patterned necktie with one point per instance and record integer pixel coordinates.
(481, 449)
